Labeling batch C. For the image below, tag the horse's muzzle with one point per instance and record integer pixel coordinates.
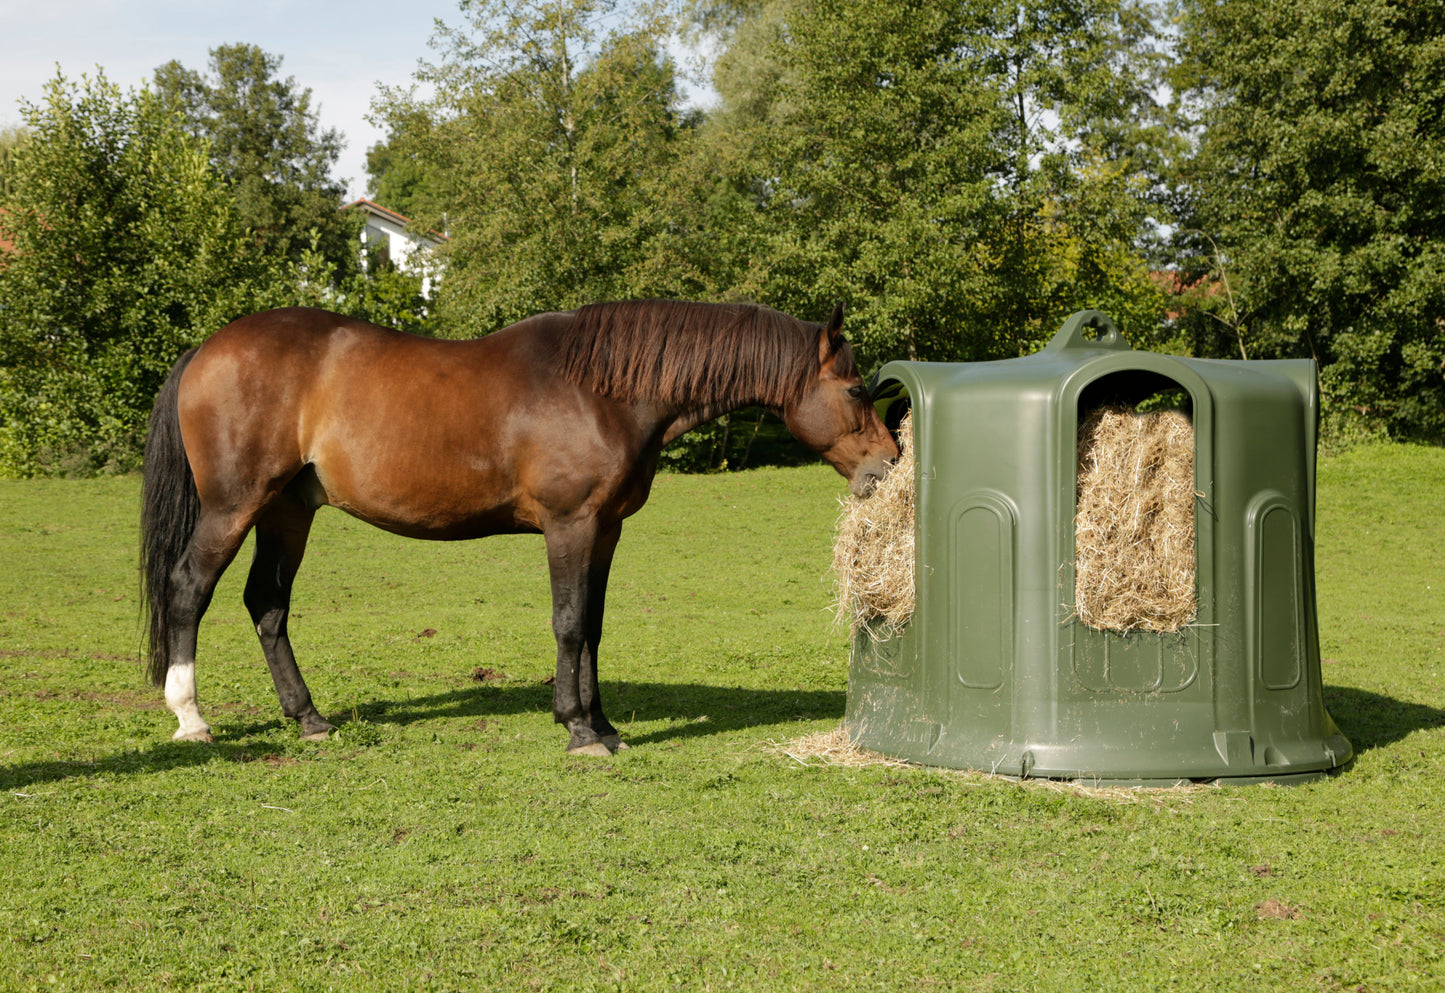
(867, 478)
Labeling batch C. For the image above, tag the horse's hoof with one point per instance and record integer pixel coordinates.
(615, 743)
(201, 736)
(595, 749)
(315, 728)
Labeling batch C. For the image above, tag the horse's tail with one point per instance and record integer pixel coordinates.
(170, 506)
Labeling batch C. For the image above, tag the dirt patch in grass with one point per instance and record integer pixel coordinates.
(1272, 909)
(121, 700)
(14, 653)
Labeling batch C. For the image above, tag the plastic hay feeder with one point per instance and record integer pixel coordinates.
(1007, 666)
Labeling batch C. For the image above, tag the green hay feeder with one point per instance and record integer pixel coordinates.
(995, 672)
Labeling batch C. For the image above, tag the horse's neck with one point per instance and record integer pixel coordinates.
(689, 419)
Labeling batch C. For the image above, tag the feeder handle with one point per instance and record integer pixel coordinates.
(1088, 329)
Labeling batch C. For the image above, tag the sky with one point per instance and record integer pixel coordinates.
(340, 50)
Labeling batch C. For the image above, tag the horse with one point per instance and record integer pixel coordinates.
(552, 425)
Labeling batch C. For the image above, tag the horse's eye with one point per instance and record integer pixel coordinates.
(859, 392)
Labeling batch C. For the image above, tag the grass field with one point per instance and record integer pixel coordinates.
(442, 840)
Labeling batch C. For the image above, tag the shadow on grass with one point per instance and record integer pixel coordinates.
(695, 711)
(1371, 720)
(704, 709)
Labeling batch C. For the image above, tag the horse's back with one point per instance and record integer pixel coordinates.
(425, 437)
(304, 342)
(367, 407)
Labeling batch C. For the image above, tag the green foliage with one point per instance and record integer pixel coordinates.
(267, 140)
(900, 160)
(380, 292)
(443, 841)
(553, 138)
(10, 140)
(1320, 173)
(400, 178)
(961, 175)
(130, 247)
(745, 438)
(127, 251)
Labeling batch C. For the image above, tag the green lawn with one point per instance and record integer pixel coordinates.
(443, 840)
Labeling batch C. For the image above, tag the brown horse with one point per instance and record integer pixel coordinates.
(552, 425)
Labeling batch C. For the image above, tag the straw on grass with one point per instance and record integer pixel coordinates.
(836, 748)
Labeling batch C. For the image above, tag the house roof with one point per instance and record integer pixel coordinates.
(377, 210)
(1177, 285)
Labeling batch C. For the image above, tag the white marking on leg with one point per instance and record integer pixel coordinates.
(181, 698)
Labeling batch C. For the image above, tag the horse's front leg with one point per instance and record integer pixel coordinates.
(578, 559)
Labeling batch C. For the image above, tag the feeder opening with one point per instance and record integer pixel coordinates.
(1134, 527)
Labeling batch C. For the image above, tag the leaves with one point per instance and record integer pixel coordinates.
(952, 171)
(266, 139)
(961, 175)
(1321, 173)
(551, 147)
(873, 153)
(127, 251)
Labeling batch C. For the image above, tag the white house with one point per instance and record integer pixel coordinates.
(389, 235)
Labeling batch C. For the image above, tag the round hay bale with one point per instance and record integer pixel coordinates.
(873, 551)
(1134, 522)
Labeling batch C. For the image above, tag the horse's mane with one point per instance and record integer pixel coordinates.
(677, 352)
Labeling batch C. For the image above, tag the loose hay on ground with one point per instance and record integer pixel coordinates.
(1134, 524)
(833, 747)
(837, 748)
(873, 553)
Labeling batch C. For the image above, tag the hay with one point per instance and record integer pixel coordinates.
(1133, 530)
(1134, 525)
(873, 552)
(835, 748)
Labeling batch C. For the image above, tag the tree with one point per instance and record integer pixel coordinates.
(380, 293)
(10, 140)
(962, 174)
(267, 140)
(127, 250)
(1318, 184)
(399, 175)
(552, 145)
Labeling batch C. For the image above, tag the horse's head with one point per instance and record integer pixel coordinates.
(835, 417)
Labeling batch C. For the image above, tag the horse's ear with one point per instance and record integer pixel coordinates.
(832, 335)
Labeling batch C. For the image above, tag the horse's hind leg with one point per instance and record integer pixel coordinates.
(212, 546)
(281, 534)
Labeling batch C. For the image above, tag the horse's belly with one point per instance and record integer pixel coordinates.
(446, 529)
(421, 501)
